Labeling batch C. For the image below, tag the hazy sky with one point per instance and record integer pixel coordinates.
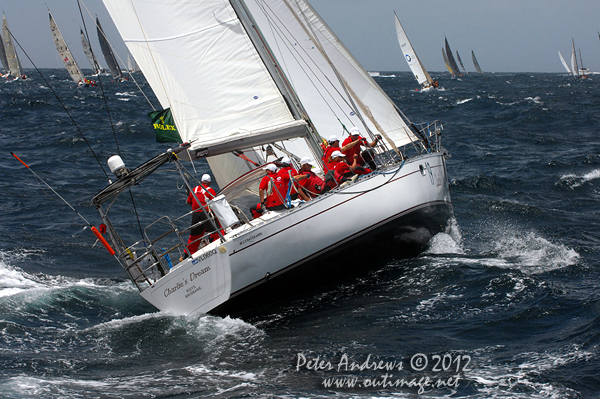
(506, 35)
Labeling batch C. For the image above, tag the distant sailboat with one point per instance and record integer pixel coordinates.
(132, 66)
(575, 69)
(564, 63)
(460, 62)
(66, 56)
(412, 59)
(109, 57)
(12, 59)
(475, 63)
(87, 49)
(451, 61)
(3, 55)
(446, 61)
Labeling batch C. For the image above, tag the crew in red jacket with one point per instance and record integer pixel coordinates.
(311, 184)
(204, 193)
(356, 150)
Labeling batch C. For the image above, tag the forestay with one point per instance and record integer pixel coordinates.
(306, 49)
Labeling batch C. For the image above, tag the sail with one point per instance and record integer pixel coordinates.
(87, 49)
(332, 85)
(564, 62)
(109, 57)
(64, 53)
(201, 62)
(475, 63)
(451, 60)
(574, 67)
(3, 55)
(132, 66)
(14, 65)
(460, 61)
(411, 58)
(446, 62)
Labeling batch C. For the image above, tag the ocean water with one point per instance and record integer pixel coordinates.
(505, 306)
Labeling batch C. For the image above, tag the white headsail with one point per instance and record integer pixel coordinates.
(564, 62)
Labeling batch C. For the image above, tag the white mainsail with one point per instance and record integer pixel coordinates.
(14, 64)
(411, 57)
(564, 62)
(574, 66)
(64, 53)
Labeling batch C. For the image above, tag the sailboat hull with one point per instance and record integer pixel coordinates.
(388, 215)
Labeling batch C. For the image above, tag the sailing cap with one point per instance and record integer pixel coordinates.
(354, 131)
(336, 154)
(333, 138)
(305, 161)
(206, 178)
(271, 167)
(286, 161)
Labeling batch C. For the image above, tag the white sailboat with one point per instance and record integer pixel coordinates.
(576, 70)
(414, 63)
(66, 56)
(268, 73)
(14, 64)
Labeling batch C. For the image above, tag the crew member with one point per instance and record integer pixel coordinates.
(343, 172)
(204, 193)
(310, 184)
(366, 156)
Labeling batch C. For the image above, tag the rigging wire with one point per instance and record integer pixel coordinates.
(117, 55)
(61, 103)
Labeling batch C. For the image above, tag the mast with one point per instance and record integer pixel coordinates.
(574, 67)
(281, 81)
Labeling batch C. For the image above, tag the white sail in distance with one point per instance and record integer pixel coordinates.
(574, 66)
(417, 68)
(562, 60)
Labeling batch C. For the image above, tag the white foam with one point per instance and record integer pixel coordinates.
(14, 280)
(533, 254)
(447, 243)
(574, 181)
(459, 102)
(519, 377)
